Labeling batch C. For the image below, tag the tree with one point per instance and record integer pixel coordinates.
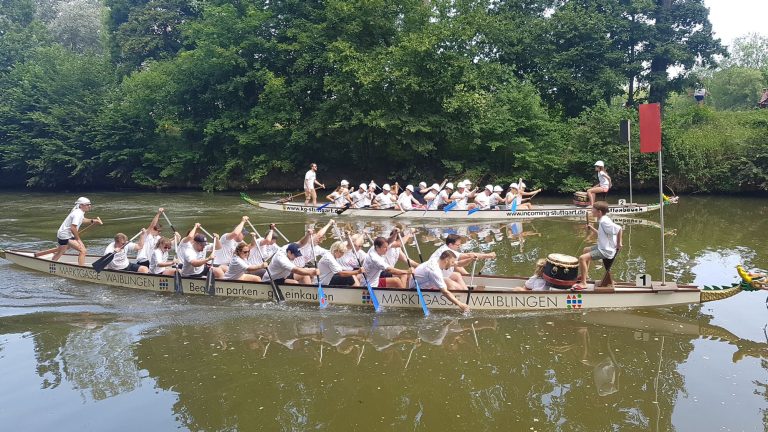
(77, 25)
(734, 88)
(749, 51)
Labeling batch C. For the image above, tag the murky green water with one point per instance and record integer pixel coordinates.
(77, 356)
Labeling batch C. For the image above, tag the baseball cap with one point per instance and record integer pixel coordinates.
(449, 186)
(294, 249)
(344, 183)
(600, 164)
(409, 187)
(498, 188)
(513, 186)
(423, 185)
(199, 238)
(467, 183)
(363, 186)
(489, 187)
(460, 185)
(82, 200)
(435, 186)
(386, 187)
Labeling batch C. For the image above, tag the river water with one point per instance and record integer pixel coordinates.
(79, 356)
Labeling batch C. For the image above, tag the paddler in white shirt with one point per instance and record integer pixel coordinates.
(384, 200)
(310, 181)
(483, 199)
(526, 196)
(359, 196)
(151, 236)
(444, 196)
(68, 235)
(496, 199)
(431, 196)
(429, 275)
(453, 243)
(225, 246)
(407, 201)
(340, 196)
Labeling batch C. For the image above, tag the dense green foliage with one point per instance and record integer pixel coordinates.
(222, 95)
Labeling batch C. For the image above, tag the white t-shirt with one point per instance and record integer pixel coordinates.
(281, 266)
(309, 179)
(266, 251)
(120, 261)
(435, 257)
(358, 198)
(514, 197)
(237, 267)
(306, 254)
(431, 200)
(392, 256)
(385, 201)
(224, 255)
(483, 200)
(338, 198)
(328, 267)
(461, 199)
(373, 265)
(158, 256)
(429, 275)
(349, 261)
(442, 198)
(536, 283)
(494, 199)
(150, 241)
(405, 201)
(187, 253)
(606, 236)
(75, 217)
(700, 92)
(602, 179)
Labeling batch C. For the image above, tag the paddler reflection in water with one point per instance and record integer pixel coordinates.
(429, 275)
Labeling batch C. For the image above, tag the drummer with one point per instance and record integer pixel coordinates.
(609, 242)
(537, 281)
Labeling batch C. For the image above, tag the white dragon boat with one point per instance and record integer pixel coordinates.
(492, 293)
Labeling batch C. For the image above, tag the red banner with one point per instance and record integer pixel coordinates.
(650, 128)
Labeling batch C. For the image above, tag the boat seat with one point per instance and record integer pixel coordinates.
(601, 196)
(607, 282)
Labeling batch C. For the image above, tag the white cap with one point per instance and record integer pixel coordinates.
(489, 187)
(371, 185)
(386, 187)
(435, 186)
(522, 185)
(467, 182)
(82, 200)
(600, 163)
(363, 186)
(410, 187)
(449, 185)
(513, 186)
(498, 188)
(422, 185)
(344, 183)
(460, 185)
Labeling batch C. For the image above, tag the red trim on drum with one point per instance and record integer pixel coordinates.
(559, 282)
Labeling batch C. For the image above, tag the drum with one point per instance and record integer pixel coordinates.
(581, 199)
(561, 271)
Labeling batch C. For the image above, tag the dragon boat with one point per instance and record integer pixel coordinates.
(492, 293)
(542, 211)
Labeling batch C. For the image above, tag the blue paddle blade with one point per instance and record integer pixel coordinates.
(421, 299)
(514, 206)
(321, 296)
(473, 211)
(449, 207)
(374, 300)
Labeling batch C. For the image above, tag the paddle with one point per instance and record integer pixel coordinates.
(449, 207)
(281, 235)
(50, 251)
(323, 206)
(418, 287)
(177, 288)
(104, 261)
(348, 206)
(374, 300)
(418, 249)
(320, 293)
(277, 294)
(285, 200)
(210, 280)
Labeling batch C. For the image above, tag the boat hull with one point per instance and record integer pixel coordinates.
(540, 212)
(493, 293)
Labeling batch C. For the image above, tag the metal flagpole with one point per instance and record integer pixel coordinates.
(629, 150)
(661, 213)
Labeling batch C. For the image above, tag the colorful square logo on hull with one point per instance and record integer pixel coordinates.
(163, 284)
(573, 301)
(52, 268)
(366, 298)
